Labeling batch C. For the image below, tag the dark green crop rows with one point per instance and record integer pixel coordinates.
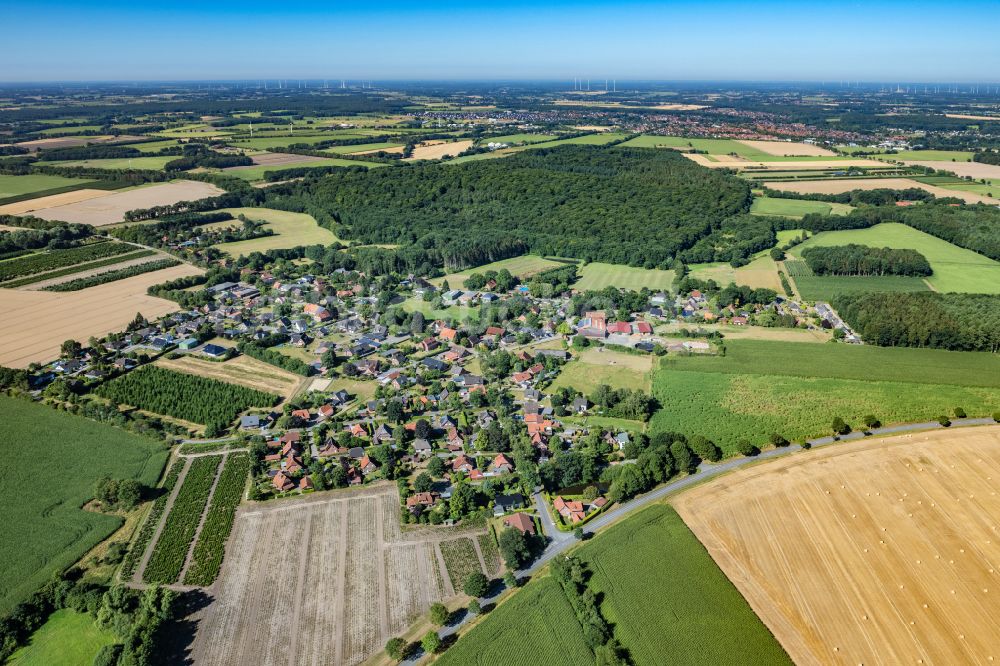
(208, 552)
(141, 540)
(47, 261)
(113, 275)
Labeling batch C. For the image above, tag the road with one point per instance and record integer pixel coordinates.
(562, 541)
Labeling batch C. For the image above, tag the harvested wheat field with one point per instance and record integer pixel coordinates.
(111, 209)
(961, 169)
(730, 162)
(848, 184)
(967, 116)
(881, 552)
(72, 141)
(435, 150)
(242, 370)
(36, 323)
(76, 196)
(278, 159)
(781, 148)
(326, 579)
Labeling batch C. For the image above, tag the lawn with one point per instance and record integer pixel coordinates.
(155, 163)
(761, 272)
(593, 367)
(524, 266)
(13, 186)
(796, 207)
(955, 269)
(663, 594)
(452, 312)
(51, 462)
(256, 173)
(67, 637)
(536, 625)
(596, 275)
(291, 230)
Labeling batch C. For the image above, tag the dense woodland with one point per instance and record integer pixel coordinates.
(863, 260)
(626, 206)
(967, 322)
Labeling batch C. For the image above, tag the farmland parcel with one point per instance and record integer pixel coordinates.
(882, 552)
(111, 208)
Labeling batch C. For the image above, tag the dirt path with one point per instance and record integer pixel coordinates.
(141, 569)
(445, 578)
(338, 601)
(201, 521)
(482, 560)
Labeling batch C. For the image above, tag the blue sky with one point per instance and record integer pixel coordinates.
(878, 40)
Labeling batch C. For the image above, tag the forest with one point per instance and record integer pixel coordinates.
(963, 322)
(855, 259)
(626, 206)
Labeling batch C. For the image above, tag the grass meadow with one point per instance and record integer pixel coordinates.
(760, 272)
(290, 229)
(596, 366)
(596, 276)
(362, 147)
(153, 163)
(14, 186)
(520, 138)
(796, 208)
(955, 269)
(523, 266)
(67, 637)
(256, 173)
(720, 147)
(51, 462)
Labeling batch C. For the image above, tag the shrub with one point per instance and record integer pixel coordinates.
(871, 421)
(778, 440)
(439, 614)
(431, 642)
(746, 448)
(476, 585)
(944, 420)
(395, 648)
(959, 413)
(840, 427)
(474, 607)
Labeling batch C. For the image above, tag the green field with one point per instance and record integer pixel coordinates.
(585, 140)
(796, 207)
(524, 266)
(67, 638)
(720, 147)
(760, 272)
(597, 366)
(796, 389)
(536, 625)
(825, 287)
(933, 155)
(71, 129)
(291, 230)
(51, 462)
(256, 173)
(452, 312)
(596, 275)
(991, 188)
(154, 146)
(269, 142)
(955, 269)
(519, 138)
(154, 163)
(664, 595)
(12, 186)
(361, 147)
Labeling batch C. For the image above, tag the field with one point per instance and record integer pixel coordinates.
(598, 276)
(272, 142)
(460, 560)
(56, 317)
(780, 163)
(757, 151)
(153, 163)
(291, 230)
(796, 207)
(955, 268)
(435, 150)
(67, 637)
(111, 208)
(877, 553)
(666, 599)
(242, 370)
(788, 393)
(825, 287)
(335, 566)
(364, 148)
(45, 530)
(523, 267)
(975, 170)
(599, 139)
(761, 272)
(513, 139)
(836, 186)
(593, 367)
(788, 148)
(12, 186)
(755, 332)
(254, 173)
(938, 155)
(50, 201)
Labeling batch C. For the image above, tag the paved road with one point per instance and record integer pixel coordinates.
(705, 471)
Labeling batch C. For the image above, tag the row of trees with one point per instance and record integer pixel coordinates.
(863, 260)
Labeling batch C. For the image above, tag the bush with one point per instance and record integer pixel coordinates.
(996, 416)
(871, 421)
(806, 446)
(439, 614)
(395, 648)
(476, 585)
(746, 448)
(474, 607)
(959, 413)
(778, 440)
(840, 427)
(510, 580)
(431, 642)
(944, 420)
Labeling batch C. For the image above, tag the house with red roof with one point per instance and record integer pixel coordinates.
(520, 522)
(282, 483)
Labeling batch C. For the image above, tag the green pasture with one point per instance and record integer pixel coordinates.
(291, 230)
(596, 275)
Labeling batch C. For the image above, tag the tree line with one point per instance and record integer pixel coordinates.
(855, 259)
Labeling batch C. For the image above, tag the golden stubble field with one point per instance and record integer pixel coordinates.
(242, 370)
(836, 186)
(880, 552)
(435, 150)
(111, 208)
(36, 323)
(325, 579)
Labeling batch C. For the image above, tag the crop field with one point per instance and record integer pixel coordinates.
(170, 551)
(825, 287)
(836, 186)
(41, 262)
(460, 560)
(787, 148)
(333, 565)
(593, 367)
(272, 142)
(255, 173)
(45, 530)
(206, 557)
(759, 151)
(879, 552)
(975, 170)
(184, 396)
(729, 407)
(596, 276)
(56, 317)
(154, 146)
(364, 148)
(796, 207)
(141, 538)
(760, 272)
(536, 625)
(67, 637)
(523, 267)
(111, 208)
(755, 333)
(12, 186)
(990, 188)
(242, 370)
(50, 201)
(153, 163)
(863, 362)
(513, 139)
(955, 268)
(598, 139)
(435, 150)
(290, 230)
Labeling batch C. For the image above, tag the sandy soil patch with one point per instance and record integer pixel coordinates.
(35, 323)
(51, 201)
(961, 169)
(848, 184)
(112, 208)
(781, 148)
(435, 150)
(326, 579)
(966, 116)
(882, 552)
(242, 370)
(728, 161)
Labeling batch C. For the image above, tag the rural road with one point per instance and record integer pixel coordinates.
(706, 470)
